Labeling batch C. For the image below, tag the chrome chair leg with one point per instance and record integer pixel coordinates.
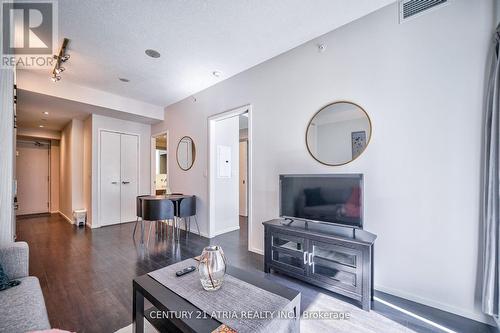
(174, 230)
(197, 226)
(167, 227)
(149, 233)
(135, 226)
(142, 231)
(178, 229)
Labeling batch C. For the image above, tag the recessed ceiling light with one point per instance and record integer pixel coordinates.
(45, 112)
(216, 73)
(153, 53)
(41, 126)
(123, 79)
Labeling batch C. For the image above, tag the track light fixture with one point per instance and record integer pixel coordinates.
(55, 78)
(60, 58)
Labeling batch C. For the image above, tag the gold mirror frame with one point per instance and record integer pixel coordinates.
(177, 152)
(321, 109)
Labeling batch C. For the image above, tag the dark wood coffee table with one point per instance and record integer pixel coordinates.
(165, 300)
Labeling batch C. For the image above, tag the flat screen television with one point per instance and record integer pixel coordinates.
(334, 199)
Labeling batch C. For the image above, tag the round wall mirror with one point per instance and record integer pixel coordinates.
(186, 153)
(338, 133)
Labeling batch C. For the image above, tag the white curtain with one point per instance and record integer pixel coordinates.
(6, 155)
(491, 189)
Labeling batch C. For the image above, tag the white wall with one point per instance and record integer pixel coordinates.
(422, 84)
(87, 168)
(6, 156)
(71, 192)
(55, 153)
(77, 162)
(226, 133)
(41, 133)
(334, 141)
(65, 170)
(144, 131)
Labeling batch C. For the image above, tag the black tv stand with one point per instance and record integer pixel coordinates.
(330, 257)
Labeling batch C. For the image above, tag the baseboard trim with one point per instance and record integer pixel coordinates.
(223, 231)
(65, 217)
(435, 304)
(256, 250)
(194, 230)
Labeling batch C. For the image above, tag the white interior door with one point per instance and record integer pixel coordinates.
(32, 171)
(243, 178)
(129, 175)
(110, 211)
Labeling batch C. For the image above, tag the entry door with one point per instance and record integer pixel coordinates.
(129, 172)
(243, 178)
(32, 171)
(110, 208)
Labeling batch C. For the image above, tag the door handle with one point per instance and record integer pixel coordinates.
(311, 255)
(114, 183)
(305, 258)
(125, 183)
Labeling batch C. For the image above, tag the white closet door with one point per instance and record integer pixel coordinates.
(110, 210)
(129, 173)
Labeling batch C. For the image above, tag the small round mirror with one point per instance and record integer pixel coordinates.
(338, 133)
(186, 153)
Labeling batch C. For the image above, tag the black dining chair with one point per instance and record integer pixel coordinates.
(155, 210)
(138, 212)
(187, 209)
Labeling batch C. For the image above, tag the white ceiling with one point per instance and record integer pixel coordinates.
(194, 37)
(31, 107)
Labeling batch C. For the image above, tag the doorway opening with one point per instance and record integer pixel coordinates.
(33, 177)
(230, 162)
(159, 164)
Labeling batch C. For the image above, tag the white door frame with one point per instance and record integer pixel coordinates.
(212, 152)
(153, 160)
(99, 131)
(246, 180)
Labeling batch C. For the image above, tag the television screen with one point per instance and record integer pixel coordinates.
(334, 199)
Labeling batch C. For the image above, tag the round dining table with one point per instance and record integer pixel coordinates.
(175, 198)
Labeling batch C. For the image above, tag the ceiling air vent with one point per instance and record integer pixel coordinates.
(409, 9)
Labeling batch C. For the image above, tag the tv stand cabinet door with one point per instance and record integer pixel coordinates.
(337, 266)
(288, 252)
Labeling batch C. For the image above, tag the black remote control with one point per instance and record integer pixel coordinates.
(185, 271)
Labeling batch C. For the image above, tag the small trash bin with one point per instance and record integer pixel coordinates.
(80, 217)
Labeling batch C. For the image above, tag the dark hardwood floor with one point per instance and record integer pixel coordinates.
(86, 275)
